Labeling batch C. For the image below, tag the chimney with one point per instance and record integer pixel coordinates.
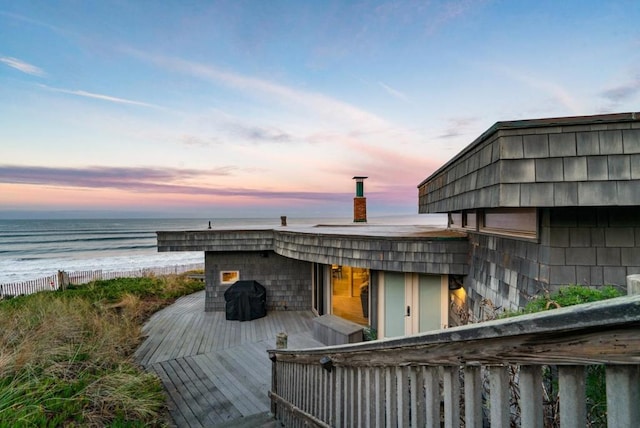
(359, 202)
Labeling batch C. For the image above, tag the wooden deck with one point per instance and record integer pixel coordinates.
(214, 370)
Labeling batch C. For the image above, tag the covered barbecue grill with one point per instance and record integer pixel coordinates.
(246, 301)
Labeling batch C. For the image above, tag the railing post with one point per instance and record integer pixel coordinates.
(451, 382)
(472, 397)
(623, 395)
(531, 411)
(633, 284)
(571, 391)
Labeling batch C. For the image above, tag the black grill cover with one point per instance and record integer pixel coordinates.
(246, 301)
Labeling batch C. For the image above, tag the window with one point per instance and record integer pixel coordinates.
(229, 276)
(469, 220)
(465, 219)
(455, 220)
(511, 221)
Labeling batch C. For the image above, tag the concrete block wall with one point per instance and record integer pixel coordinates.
(288, 281)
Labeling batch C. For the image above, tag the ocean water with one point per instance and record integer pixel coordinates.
(32, 249)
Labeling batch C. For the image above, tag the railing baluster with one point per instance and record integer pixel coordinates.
(317, 387)
(362, 395)
(367, 390)
(421, 403)
(380, 394)
(304, 403)
(339, 392)
(499, 395)
(413, 385)
(451, 396)
(350, 400)
(623, 395)
(404, 400)
(400, 396)
(332, 395)
(432, 396)
(531, 411)
(394, 396)
(571, 391)
(472, 396)
(326, 387)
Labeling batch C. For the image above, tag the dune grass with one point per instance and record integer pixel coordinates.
(66, 356)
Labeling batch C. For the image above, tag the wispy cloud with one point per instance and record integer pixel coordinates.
(146, 180)
(448, 11)
(101, 97)
(23, 66)
(258, 134)
(623, 91)
(22, 18)
(457, 126)
(196, 141)
(557, 92)
(319, 104)
(393, 92)
(394, 168)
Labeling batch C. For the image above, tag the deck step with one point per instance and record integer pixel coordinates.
(332, 330)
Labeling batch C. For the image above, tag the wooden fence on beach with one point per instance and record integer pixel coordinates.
(54, 282)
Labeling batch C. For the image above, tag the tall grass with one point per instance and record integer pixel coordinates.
(66, 357)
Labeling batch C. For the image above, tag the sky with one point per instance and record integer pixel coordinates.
(266, 108)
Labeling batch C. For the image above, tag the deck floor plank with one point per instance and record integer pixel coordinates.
(192, 390)
(215, 370)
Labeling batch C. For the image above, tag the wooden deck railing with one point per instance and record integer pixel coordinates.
(489, 373)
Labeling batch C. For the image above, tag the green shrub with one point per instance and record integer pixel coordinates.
(566, 296)
(369, 333)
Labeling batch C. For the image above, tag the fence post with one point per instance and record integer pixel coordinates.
(63, 279)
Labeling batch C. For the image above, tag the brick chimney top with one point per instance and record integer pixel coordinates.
(359, 202)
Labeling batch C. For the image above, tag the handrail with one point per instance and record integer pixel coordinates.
(519, 340)
(400, 382)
